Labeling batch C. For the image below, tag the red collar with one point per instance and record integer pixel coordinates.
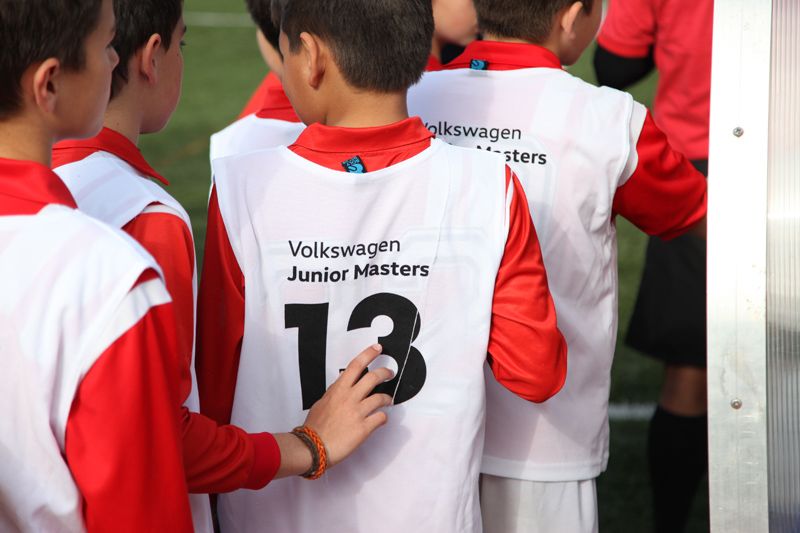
(26, 187)
(434, 64)
(275, 103)
(107, 140)
(505, 56)
(329, 139)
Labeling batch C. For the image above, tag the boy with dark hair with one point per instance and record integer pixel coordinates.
(268, 119)
(266, 15)
(111, 180)
(456, 25)
(86, 325)
(367, 227)
(584, 154)
(669, 320)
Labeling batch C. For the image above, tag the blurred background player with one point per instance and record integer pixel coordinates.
(584, 155)
(89, 437)
(269, 119)
(270, 92)
(111, 180)
(669, 320)
(456, 27)
(367, 227)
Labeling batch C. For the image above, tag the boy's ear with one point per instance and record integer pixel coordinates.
(315, 56)
(45, 81)
(148, 58)
(569, 18)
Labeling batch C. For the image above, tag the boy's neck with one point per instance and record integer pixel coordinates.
(436, 48)
(367, 110)
(550, 44)
(23, 141)
(124, 116)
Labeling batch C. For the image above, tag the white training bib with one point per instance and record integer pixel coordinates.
(406, 256)
(65, 299)
(252, 133)
(572, 145)
(109, 189)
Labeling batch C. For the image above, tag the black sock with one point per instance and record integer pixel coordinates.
(677, 450)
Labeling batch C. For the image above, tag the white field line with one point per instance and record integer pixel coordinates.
(209, 19)
(631, 412)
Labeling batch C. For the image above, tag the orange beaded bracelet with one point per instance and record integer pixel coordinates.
(319, 456)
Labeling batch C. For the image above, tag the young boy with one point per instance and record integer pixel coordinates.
(366, 227)
(112, 181)
(669, 320)
(85, 321)
(268, 119)
(584, 155)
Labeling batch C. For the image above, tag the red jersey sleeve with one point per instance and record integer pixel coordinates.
(629, 28)
(665, 196)
(170, 242)
(527, 352)
(217, 459)
(122, 436)
(220, 327)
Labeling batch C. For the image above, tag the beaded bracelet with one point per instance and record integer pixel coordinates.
(319, 457)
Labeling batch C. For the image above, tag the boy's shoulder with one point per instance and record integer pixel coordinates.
(89, 240)
(441, 81)
(253, 133)
(112, 190)
(238, 168)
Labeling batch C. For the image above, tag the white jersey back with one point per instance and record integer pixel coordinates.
(65, 299)
(572, 145)
(406, 256)
(252, 133)
(109, 189)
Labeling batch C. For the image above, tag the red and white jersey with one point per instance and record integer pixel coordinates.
(66, 299)
(109, 188)
(583, 155)
(407, 255)
(70, 291)
(267, 121)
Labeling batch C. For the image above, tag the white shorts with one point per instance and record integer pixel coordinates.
(519, 506)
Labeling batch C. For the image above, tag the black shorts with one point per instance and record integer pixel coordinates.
(669, 320)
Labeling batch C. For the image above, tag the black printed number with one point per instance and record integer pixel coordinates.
(311, 320)
(312, 340)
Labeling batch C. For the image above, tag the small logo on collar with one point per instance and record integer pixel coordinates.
(354, 166)
(479, 64)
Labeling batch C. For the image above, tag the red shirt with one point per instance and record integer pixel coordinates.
(270, 101)
(216, 459)
(679, 32)
(523, 313)
(117, 444)
(434, 64)
(665, 196)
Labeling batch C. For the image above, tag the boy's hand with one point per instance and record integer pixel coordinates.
(347, 415)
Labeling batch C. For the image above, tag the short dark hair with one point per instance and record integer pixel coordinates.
(263, 13)
(35, 30)
(522, 19)
(379, 45)
(137, 21)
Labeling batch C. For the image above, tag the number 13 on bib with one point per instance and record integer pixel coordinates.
(406, 256)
